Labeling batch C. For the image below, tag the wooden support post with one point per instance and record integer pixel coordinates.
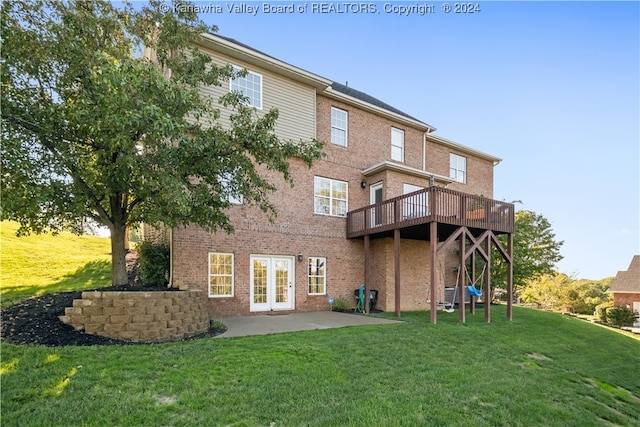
(510, 278)
(396, 256)
(461, 278)
(487, 281)
(367, 273)
(472, 299)
(433, 232)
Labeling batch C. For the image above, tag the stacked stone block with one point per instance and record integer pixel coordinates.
(139, 316)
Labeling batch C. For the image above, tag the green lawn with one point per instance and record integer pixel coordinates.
(540, 369)
(32, 265)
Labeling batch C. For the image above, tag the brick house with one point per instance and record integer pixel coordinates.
(625, 287)
(365, 213)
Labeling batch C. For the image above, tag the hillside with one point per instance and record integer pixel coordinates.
(32, 265)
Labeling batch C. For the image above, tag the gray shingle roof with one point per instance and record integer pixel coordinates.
(628, 281)
(371, 100)
(361, 96)
(234, 41)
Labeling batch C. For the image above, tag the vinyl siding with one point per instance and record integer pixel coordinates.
(295, 102)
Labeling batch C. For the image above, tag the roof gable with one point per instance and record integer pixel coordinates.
(628, 281)
(353, 93)
(235, 49)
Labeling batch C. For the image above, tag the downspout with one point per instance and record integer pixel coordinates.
(424, 150)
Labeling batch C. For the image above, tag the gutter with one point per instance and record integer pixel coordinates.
(329, 91)
(234, 50)
(463, 148)
(396, 167)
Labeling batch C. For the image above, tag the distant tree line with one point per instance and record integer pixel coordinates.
(536, 251)
(557, 291)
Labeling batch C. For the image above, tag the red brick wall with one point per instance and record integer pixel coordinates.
(625, 299)
(479, 171)
(345, 268)
(369, 137)
(297, 230)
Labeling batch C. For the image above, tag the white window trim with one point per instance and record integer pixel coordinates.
(415, 206)
(346, 127)
(237, 69)
(323, 260)
(224, 182)
(330, 197)
(456, 157)
(209, 275)
(400, 132)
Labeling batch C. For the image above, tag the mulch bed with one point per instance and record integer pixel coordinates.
(35, 321)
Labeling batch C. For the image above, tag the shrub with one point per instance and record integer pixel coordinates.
(341, 304)
(217, 325)
(154, 263)
(601, 311)
(621, 316)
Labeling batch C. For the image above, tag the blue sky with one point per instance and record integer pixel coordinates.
(553, 88)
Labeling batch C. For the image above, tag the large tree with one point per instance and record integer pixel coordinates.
(535, 251)
(91, 127)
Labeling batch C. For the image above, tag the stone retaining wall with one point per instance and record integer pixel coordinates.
(139, 316)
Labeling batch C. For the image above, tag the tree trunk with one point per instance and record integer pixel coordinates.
(118, 263)
(127, 232)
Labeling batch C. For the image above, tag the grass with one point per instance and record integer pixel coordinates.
(540, 369)
(33, 265)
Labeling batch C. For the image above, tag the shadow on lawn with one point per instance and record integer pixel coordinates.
(94, 274)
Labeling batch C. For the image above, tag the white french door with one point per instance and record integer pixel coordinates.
(272, 283)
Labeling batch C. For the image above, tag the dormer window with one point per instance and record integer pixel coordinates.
(250, 86)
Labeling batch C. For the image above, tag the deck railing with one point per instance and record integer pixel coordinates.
(431, 204)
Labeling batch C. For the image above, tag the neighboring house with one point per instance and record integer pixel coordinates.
(348, 220)
(625, 287)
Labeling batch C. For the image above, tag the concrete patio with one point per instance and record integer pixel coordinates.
(279, 323)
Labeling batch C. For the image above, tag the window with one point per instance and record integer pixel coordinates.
(338, 127)
(397, 144)
(317, 276)
(220, 275)
(458, 167)
(330, 197)
(250, 86)
(233, 196)
(414, 206)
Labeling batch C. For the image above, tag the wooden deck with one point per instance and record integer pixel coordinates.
(412, 213)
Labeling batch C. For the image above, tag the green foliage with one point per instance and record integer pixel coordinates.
(546, 291)
(558, 291)
(90, 128)
(583, 296)
(535, 251)
(341, 304)
(620, 316)
(540, 369)
(217, 325)
(600, 312)
(154, 263)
